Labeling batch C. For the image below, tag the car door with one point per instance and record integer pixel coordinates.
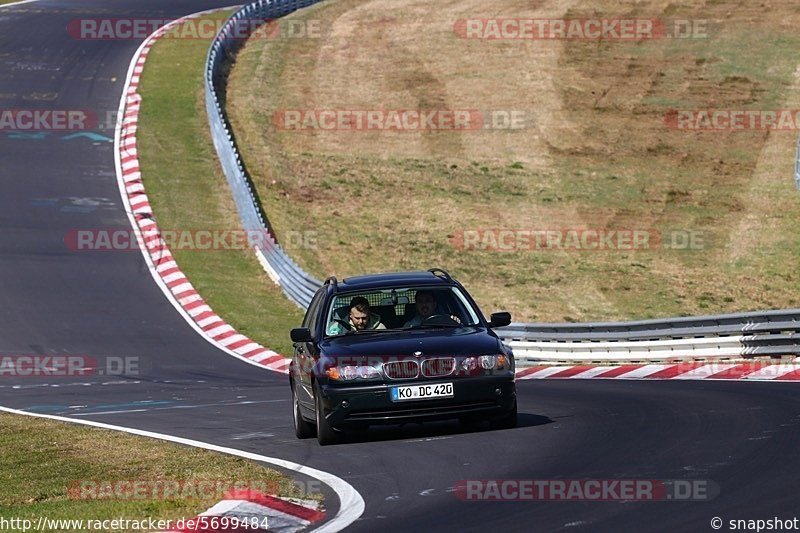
(306, 353)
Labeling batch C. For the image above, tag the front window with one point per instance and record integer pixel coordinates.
(399, 308)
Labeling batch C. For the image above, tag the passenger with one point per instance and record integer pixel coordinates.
(359, 318)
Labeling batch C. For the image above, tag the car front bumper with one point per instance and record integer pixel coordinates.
(357, 406)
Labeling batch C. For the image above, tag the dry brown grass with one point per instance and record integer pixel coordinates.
(596, 154)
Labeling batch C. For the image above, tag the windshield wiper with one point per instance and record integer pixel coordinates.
(425, 326)
(358, 331)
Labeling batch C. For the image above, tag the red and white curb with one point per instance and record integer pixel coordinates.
(749, 371)
(257, 512)
(157, 255)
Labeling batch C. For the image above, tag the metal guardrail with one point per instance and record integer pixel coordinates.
(737, 323)
(766, 333)
(296, 283)
(797, 166)
(769, 333)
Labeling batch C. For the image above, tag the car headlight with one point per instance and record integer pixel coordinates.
(351, 373)
(485, 362)
(488, 362)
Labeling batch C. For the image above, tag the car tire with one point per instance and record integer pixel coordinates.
(303, 429)
(506, 421)
(325, 433)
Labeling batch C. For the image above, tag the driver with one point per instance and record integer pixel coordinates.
(359, 318)
(425, 304)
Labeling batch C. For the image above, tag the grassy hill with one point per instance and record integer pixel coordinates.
(595, 153)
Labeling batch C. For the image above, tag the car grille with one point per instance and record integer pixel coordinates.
(443, 366)
(401, 369)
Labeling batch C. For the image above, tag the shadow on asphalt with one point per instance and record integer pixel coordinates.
(433, 430)
(527, 420)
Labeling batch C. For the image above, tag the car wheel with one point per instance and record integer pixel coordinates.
(303, 429)
(325, 433)
(506, 421)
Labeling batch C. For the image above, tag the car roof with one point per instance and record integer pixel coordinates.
(396, 279)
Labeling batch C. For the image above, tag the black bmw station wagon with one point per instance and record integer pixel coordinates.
(394, 348)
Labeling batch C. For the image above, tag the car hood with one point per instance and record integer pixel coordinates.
(444, 341)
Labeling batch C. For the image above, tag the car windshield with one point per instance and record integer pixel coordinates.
(399, 308)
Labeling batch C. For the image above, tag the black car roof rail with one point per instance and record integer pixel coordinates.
(332, 281)
(445, 274)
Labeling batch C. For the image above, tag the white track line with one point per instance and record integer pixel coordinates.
(17, 3)
(351, 504)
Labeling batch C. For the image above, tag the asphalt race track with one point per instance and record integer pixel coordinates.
(739, 437)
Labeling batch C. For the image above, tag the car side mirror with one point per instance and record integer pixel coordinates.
(500, 319)
(301, 335)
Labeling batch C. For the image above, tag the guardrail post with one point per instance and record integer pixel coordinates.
(797, 166)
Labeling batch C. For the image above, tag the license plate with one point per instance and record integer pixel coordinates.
(422, 392)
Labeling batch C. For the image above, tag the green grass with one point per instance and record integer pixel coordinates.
(44, 464)
(187, 190)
